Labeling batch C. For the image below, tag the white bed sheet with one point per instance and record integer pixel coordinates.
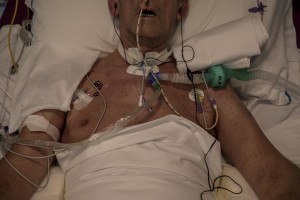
(280, 124)
(282, 129)
(55, 187)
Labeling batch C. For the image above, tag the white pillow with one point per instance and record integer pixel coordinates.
(93, 28)
(88, 24)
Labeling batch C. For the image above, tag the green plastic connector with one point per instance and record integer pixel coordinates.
(217, 75)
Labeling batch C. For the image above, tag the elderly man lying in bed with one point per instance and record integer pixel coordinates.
(160, 155)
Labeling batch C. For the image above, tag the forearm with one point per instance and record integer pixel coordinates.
(12, 184)
(245, 146)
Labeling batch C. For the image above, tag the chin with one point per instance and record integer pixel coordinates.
(151, 33)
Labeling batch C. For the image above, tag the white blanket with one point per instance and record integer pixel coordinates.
(44, 83)
(212, 47)
(162, 160)
(281, 125)
(7, 81)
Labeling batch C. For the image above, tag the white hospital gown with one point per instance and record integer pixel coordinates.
(161, 160)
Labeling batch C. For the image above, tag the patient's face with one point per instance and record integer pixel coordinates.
(158, 20)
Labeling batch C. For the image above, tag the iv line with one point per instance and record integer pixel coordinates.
(15, 64)
(108, 133)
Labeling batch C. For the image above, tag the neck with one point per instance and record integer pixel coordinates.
(153, 58)
(146, 44)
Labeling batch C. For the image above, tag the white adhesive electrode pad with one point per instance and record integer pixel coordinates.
(81, 99)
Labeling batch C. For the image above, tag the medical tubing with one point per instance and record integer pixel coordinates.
(156, 85)
(108, 133)
(100, 136)
(26, 35)
(180, 78)
(273, 33)
(15, 66)
(276, 80)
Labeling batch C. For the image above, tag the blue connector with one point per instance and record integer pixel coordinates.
(153, 82)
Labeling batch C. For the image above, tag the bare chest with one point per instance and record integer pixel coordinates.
(116, 95)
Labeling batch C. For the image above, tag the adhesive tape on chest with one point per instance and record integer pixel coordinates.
(81, 100)
(38, 123)
(141, 71)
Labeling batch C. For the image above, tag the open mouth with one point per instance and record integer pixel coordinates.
(148, 13)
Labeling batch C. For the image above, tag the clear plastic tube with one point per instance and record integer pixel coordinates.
(99, 137)
(258, 60)
(181, 78)
(273, 33)
(269, 77)
(276, 81)
(109, 132)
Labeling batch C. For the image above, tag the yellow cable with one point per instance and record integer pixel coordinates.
(15, 65)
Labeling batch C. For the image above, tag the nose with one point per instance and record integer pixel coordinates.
(145, 3)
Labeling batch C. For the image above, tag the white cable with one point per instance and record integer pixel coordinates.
(213, 105)
(30, 157)
(143, 6)
(141, 99)
(5, 92)
(26, 35)
(24, 177)
(104, 101)
(138, 32)
(142, 91)
(108, 133)
(5, 96)
(164, 96)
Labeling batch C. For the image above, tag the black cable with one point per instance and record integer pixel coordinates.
(189, 72)
(213, 187)
(222, 188)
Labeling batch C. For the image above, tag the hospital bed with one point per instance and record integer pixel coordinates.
(275, 108)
